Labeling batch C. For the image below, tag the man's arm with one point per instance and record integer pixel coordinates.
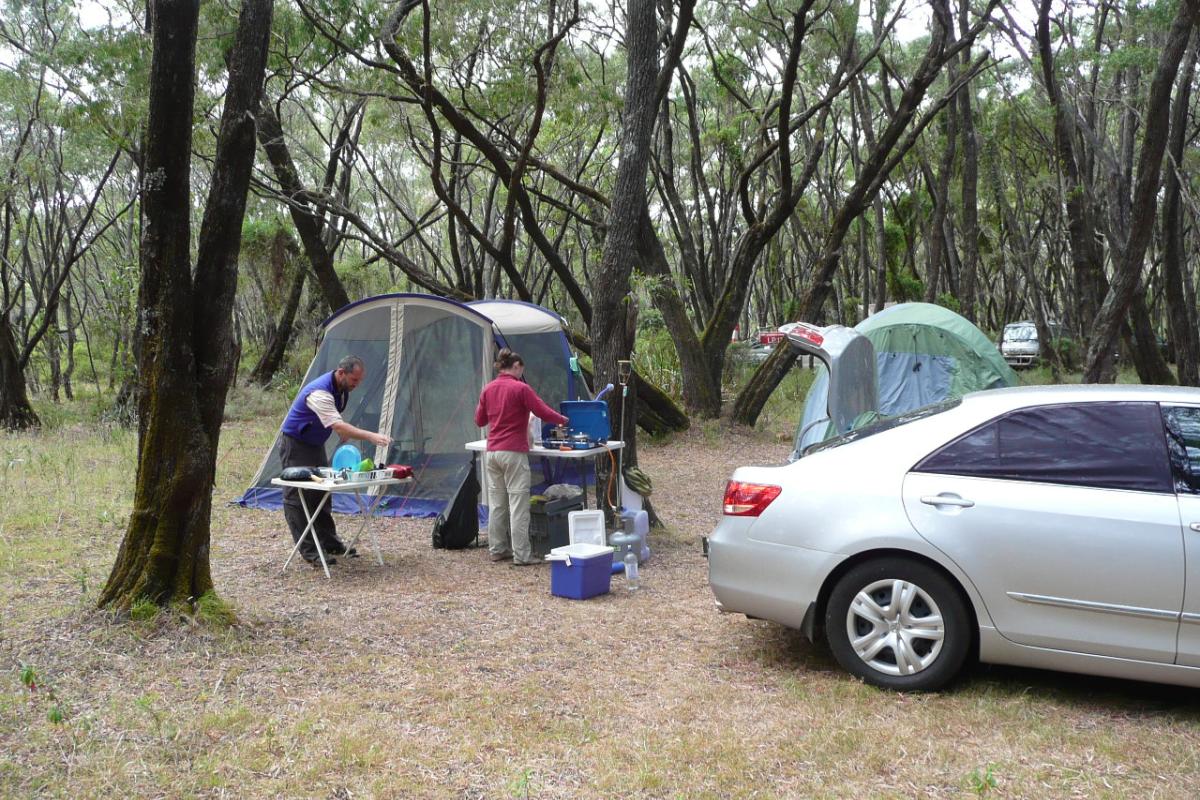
(347, 431)
(321, 403)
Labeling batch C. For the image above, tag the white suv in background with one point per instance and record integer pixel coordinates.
(1019, 344)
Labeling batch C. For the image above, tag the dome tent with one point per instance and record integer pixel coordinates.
(924, 353)
(537, 334)
(427, 359)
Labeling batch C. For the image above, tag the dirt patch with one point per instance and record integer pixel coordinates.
(442, 674)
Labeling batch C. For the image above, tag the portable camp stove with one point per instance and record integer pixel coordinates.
(564, 437)
(587, 426)
(581, 441)
(556, 437)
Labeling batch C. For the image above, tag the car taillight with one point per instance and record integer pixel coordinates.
(808, 333)
(748, 499)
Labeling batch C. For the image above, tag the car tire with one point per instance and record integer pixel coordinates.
(898, 624)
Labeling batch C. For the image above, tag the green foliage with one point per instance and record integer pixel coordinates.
(1068, 352)
(29, 677)
(253, 402)
(655, 359)
(791, 309)
(144, 610)
(904, 286)
(983, 781)
(782, 410)
(521, 785)
(211, 610)
(89, 407)
(650, 319)
(947, 300)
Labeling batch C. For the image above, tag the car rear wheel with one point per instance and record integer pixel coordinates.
(899, 624)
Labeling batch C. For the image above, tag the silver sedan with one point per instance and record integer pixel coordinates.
(1055, 527)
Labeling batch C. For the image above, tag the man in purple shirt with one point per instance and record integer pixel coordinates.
(316, 413)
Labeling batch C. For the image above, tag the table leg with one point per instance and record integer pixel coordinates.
(583, 480)
(310, 530)
(368, 512)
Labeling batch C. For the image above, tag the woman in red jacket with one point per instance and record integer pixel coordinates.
(504, 406)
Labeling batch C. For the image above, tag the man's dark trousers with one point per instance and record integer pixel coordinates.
(295, 453)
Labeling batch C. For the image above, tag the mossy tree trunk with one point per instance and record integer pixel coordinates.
(611, 331)
(15, 411)
(185, 319)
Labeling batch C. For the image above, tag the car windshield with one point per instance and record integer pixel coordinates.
(884, 424)
(1020, 333)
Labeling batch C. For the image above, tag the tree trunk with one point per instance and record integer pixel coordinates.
(53, 349)
(1183, 333)
(1128, 269)
(308, 223)
(939, 257)
(1148, 360)
(610, 337)
(1086, 257)
(69, 328)
(186, 359)
(701, 390)
(272, 357)
(970, 185)
(15, 411)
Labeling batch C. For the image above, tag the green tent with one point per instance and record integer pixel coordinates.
(923, 354)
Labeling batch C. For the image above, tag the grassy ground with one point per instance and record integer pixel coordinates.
(443, 675)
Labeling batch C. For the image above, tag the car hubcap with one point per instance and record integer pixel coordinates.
(895, 627)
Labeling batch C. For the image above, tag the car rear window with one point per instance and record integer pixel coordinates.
(881, 424)
(1103, 445)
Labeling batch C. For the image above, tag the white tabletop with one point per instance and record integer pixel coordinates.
(344, 486)
(480, 446)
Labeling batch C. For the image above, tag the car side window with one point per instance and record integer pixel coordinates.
(1183, 446)
(1103, 445)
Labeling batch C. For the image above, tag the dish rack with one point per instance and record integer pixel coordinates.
(370, 475)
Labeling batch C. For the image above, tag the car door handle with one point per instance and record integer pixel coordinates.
(1195, 526)
(946, 500)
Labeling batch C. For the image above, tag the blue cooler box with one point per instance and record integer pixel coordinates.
(580, 571)
(587, 416)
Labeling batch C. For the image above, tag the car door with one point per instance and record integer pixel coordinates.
(1183, 444)
(1064, 518)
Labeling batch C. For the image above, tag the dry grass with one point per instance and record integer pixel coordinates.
(441, 674)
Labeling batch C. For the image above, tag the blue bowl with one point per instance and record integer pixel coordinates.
(346, 457)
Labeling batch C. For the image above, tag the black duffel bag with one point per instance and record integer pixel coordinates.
(296, 474)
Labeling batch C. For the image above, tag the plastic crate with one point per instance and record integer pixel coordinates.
(548, 523)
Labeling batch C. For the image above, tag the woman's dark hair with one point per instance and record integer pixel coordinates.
(506, 359)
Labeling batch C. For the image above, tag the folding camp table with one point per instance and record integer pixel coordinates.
(367, 506)
(480, 446)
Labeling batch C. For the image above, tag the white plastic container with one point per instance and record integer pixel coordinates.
(586, 527)
(581, 551)
(639, 521)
